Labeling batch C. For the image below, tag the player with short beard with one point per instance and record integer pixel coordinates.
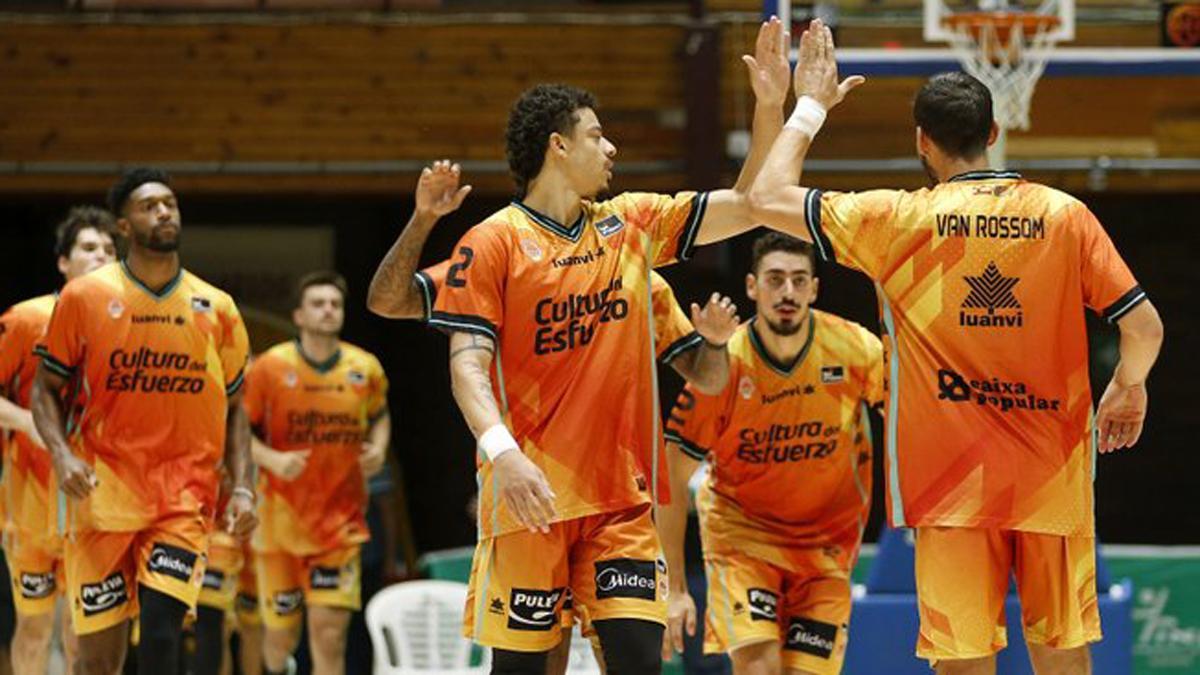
(788, 448)
(140, 463)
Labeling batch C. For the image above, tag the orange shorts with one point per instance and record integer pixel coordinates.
(963, 577)
(221, 574)
(752, 601)
(611, 562)
(106, 568)
(246, 604)
(286, 583)
(35, 563)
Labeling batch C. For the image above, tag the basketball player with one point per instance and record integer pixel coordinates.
(319, 408)
(990, 430)
(157, 356)
(32, 543)
(789, 484)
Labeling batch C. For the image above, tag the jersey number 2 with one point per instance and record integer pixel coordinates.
(453, 277)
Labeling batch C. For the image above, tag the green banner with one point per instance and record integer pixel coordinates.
(1166, 609)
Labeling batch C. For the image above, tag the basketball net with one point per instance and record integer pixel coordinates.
(1007, 51)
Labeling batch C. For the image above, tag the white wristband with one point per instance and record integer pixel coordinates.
(807, 116)
(497, 441)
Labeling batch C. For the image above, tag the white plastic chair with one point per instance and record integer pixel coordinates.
(416, 627)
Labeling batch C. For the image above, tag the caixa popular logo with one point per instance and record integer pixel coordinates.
(533, 609)
(37, 586)
(101, 597)
(172, 561)
(764, 604)
(811, 637)
(626, 578)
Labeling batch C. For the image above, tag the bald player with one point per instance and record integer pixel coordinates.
(991, 436)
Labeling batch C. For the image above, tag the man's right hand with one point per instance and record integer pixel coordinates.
(288, 465)
(524, 487)
(75, 477)
(816, 74)
(681, 616)
(438, 192)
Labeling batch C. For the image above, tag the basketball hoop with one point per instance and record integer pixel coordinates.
(1007, 51)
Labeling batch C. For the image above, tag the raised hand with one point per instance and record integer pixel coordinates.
(816, 73)
(769, 68)
(717, 320)
(438, 192)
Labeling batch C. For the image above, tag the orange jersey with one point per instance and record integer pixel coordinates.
(673, 330)
(27, 467)
(570, 311)
(295, 403)
(673, 335)
(982, 281)
(155, 370)
(788, 445)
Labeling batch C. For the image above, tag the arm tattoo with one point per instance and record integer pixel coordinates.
(393, 286)
(478, 343)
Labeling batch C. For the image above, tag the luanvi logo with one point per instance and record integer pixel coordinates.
(990, 303)
(213, 579)
(533, 609)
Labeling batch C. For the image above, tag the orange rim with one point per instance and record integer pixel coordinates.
(1002, 22)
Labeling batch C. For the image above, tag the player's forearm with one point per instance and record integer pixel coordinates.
(238, 462)
(707, 368)
(262, 454)
(379, 436)
(471, 382)
(672, 517)
(14, 417)
(768, 121)
(49, 415)
(1141, 339)
(393, 292)
(776, 199)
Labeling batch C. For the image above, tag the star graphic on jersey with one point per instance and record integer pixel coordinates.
(991, 290)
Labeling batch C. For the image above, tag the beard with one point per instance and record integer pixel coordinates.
(155, 241)
(933, 179)
(787, 329)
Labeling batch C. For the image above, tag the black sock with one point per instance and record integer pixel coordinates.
(161, 633)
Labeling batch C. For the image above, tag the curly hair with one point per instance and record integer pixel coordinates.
(539, 112)
(81, 218)
(131, 180)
